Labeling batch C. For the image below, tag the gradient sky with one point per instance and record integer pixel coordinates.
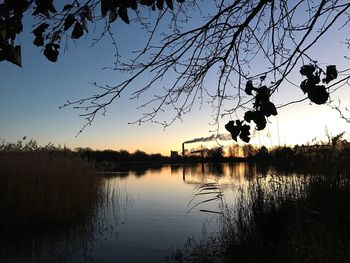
(31, 96)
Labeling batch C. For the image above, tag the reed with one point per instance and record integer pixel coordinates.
(295, 218)
(47, 194)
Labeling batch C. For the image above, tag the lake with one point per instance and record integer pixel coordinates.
(147, 213)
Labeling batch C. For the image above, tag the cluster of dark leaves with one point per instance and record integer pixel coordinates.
(73, 17)
(317, 93)
(11, 14)
(262, 108)
(237, 128)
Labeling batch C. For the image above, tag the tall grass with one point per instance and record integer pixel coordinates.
(299, 218)
(46, 193)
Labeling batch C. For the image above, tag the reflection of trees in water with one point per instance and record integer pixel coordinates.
(137, 169)
(234, 172)
(175, 168)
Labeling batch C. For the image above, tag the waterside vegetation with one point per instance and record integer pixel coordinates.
(46, 194)
(293, 210)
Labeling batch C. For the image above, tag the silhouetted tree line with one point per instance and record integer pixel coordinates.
(335, 149)
(118, 156)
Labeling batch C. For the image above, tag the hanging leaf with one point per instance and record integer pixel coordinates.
(51, 52)
(262, 96)
(318, 94)
(56, 36)
(331, 73)
(3, 31)
(245, 133)
(105, 7)
(77, 31)
(160, 4)
(259, 120)
(307, 70)
(11, 54)
(249, 87)
(40, 29)
(113, 16)
(17, 57)
(86, 12)
(132, 4)
(38, 41)
(50, 6)
(233, 129)
(268, 109)
(147, 2)
(306, 85)
(314, 78)
(249, 116)
(69, 21)
(123, 13)
(169, 3)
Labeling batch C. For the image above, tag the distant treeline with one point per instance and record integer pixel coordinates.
(121, 156)
(335, 148)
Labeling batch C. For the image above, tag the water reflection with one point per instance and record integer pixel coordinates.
(144, 212)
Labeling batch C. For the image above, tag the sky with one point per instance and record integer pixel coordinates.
(30, 98)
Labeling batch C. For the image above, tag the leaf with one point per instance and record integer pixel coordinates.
(86, 12)
(133, 4)
(307, 70)
(245, 133)
(123, 13)
(318, 94)
(67, 7)
(160, 4)
(105, 7)
(56, 36)
(14, 55)
(306, 86)
(113, 16)
(268, 109)
(3, 31)
(51, 7)
(249, 87)
(262, 96)
(40, 29)
(17, 57)
(233, 129)
(77, 31)
(38, 41)
(51, 52)
(259, 120)
(69, 21)
(147, 2)
(169, 3)
(331, 73)
(249, 116)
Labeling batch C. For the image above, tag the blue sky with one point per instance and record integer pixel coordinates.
(31, 96)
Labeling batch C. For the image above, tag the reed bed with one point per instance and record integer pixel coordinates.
(47, 195)
(295, 218)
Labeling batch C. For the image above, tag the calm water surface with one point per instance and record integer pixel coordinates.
(147, 213)
(157, 210)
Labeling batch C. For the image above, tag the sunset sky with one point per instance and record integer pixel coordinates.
(31, 96)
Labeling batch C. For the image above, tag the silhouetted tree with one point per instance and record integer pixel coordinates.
(230, 40)
(215, 153)
(262, 153)
(234, 150)
(248, 150)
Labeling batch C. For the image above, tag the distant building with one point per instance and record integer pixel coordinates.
(174, 154)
